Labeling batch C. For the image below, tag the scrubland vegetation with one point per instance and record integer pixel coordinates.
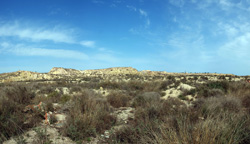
(219, 111)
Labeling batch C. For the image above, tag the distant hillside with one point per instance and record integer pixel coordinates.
(58, 73)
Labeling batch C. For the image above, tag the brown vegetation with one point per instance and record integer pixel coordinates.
(219, 112)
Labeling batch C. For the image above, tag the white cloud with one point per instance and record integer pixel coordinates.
(177, 3)
(35, 34)
(227, 29)
(148, 23)
(32, 33)
(90, 44)
(225, 3)
(143, 13)
(186, 48)
(238, 49)
(131, 8)
(98, 1)
(60, 53)
(4, 44)
(193, 1)
(113, 5)
(23, 50)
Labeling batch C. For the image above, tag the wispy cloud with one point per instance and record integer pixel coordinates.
(143, 13)
(32, 33)
(90, 44)
(131, 8)
(24, 50)
(237, 48)
(35, 34)
(186, 48)
(227, 29)
(98, 1)
(225, 3)
(147, 23)
(178, 3)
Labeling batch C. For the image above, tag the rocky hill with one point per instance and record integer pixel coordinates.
(64, 71)
(125, 73)
(112, 71)
(113, 105)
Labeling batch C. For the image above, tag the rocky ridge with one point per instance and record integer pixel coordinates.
(59, 73)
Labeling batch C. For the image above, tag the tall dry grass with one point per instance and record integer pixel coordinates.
(89, 115)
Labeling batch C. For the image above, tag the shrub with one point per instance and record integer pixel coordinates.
(135, 85)
(118, 99)
(215, 105)
(54, 96)
(224, 127)
(212, 89)
(109, 85)
(239, 89)
(182, 97)
(87, 117)
(75, 89)
(223, 85)
(13, 100)
(146, 98)
(64, 99)
(246, 103)
(42, 135)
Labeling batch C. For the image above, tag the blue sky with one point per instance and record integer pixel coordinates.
(160, 35)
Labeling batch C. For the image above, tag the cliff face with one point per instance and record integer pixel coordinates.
(64, 71)
(113, 71)
(59, 73)
(23, 76)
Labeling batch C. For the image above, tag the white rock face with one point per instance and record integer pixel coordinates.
(63, 71)
(172, 92)
(65, 90)
(185, 87)
(123, 114)
(112, 71)
(60, 117)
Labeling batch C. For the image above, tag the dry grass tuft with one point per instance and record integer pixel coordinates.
(118, 99)
(13, 121)
(88, 116)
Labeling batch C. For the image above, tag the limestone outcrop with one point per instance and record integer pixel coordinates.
(59, 73)
(64, 71)
(113, 71)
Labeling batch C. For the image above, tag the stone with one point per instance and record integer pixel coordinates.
(185, 87)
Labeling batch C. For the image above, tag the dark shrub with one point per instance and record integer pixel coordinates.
(246, 103)
(223, 85)
(215, 105)
(109, 85)
(88, 116)
(64, 99)
(54, 96)
(118, 99)
(13, 121)
(146, 98)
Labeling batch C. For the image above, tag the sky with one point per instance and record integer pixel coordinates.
(159, 35)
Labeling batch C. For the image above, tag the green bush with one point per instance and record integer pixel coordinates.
(54, 96)
(65, 98)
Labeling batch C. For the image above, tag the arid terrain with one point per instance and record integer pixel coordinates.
(123, 105)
